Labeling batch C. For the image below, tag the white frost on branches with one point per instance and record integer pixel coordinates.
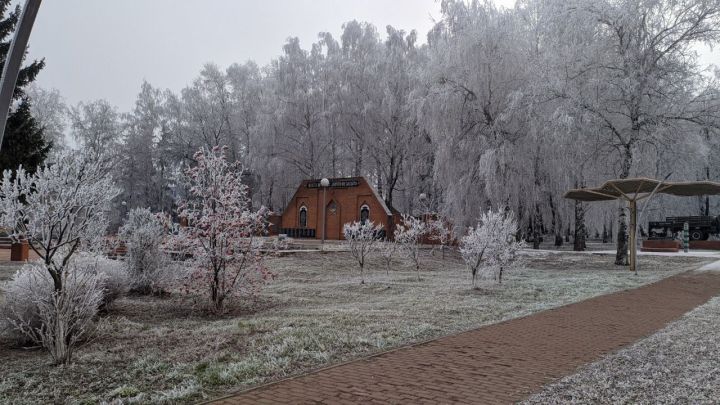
(59, 209)
(388, 249)
(408, 236)
(442, 232)
(361, 238)
(492, 244)
(144, 233)
(55, 320)
(222, 235)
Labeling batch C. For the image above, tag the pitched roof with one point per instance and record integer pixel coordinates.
(388, 210)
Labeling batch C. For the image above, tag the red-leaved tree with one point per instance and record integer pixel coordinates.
(222, 233)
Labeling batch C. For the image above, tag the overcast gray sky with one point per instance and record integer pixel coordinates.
(105, 48)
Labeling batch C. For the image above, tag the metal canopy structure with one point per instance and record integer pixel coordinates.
(11, 68)
(640, 188)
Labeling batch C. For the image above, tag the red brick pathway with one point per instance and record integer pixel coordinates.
(500, 363)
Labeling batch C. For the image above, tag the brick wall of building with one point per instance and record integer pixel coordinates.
(343, 201)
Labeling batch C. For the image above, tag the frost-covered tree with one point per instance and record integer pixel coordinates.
(492, 244)
(142, 174)
(50, 110)
(60, 209)
(442, 232)
(222, 235)
(96, 128)
(395, 134)
(144, 234)
(474, 109)
(361, 238)
(408, 236)
(388, 250)
(638, 77)
(244, 81)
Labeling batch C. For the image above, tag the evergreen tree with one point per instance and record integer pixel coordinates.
(23, 143)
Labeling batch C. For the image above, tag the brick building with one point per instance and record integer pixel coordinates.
(346, 200)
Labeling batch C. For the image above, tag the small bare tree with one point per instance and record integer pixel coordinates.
(408, 235)
(222, 233)
(491, 244)
(361, 238)
(441, 232)
(388, 249)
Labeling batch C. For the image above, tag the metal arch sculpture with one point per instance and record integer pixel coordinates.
(636, 189)
(11, 69)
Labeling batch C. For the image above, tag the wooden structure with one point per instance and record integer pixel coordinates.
(347, 199)
(637, 189)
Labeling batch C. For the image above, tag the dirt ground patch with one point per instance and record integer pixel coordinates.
(315, 313)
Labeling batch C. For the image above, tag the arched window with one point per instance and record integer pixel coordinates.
(303, 217)
(364, 214)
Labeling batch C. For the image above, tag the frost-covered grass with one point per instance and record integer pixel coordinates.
(7, 270)
(151, 349)
(678, 365)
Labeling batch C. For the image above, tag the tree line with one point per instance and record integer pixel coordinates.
(499, 108)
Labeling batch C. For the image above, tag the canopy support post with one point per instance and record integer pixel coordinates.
(633, 235)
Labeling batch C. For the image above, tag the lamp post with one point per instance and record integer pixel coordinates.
(324, 183)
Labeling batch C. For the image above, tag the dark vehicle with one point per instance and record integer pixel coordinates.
(701, 227)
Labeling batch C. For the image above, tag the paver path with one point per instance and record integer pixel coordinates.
(499, 363)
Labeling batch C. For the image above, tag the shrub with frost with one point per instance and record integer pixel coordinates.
(55, 320)
(114, 273)
(491, 245)
(408, 236)
(143, 235)
(361, 238)
(223, 236)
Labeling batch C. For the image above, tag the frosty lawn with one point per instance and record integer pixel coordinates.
(314, 313)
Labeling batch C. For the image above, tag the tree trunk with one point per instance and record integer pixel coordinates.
(535, 233)
(621, 255)
(57, 280)
(580, 231)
